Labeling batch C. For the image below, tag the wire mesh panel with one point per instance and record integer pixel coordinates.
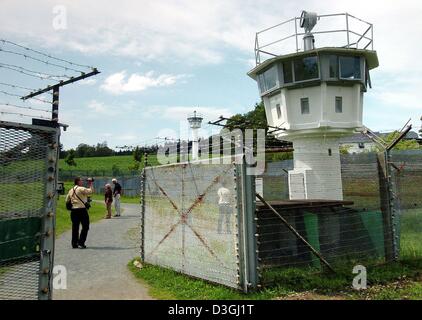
(190, 220)
(347, 231)
(407, 173)
(24, 200)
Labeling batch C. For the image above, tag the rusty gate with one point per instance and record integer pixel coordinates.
(195, 220)
(28, 159)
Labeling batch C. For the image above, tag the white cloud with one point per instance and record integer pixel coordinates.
(119, 82)
(200, 31)
(127, 137)
(99, 107)
(88, 82)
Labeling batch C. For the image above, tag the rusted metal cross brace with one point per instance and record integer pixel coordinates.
(184, 215)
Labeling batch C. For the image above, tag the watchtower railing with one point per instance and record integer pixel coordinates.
(358, 34)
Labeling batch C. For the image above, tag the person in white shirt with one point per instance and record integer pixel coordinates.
(117, 191)
(225, 208)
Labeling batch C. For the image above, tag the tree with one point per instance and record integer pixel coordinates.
(404, 144)
(137, 158)
(137, 154)
(70, 158)
(256, 119)
(115, 170)
(344, 149)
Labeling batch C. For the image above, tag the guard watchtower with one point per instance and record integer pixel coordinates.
(195, 121)
(314, 90)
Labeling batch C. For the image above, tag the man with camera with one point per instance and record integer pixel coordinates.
(78, 196)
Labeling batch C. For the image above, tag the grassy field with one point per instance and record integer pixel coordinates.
(393, 281)
(103, 163)
(401, 280)
(63, 223)
(100, 197)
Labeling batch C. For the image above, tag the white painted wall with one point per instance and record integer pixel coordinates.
(322, 107)
(316, 173)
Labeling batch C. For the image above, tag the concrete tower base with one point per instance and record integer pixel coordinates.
(317, 172)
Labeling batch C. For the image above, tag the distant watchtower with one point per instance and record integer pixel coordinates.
(195, 121)
(315, 92)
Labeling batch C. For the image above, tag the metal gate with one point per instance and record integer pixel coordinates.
(28, 159)
(188, 226)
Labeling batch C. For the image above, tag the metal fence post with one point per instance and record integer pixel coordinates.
(389, 213)
(395, 216)
(142, 231)
(49, 219)
(248, 255)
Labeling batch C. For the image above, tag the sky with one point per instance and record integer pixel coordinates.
(161, 60)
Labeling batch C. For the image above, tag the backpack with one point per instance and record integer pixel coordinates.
(69, 202)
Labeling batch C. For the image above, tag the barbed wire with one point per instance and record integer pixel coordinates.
(23, 107)
(23, 115)
(20, 97)
(32, 73)
(15, 86)
(45, 54)
(39, 60)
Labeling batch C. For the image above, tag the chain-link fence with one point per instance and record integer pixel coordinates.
(188, 226)
(193, 221)
(131, 186)
(379, 218)
(407, 169)
(27, 205)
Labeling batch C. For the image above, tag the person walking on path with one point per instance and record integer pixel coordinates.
(78, 196)
(225, 209)
(108, 199)
(116, 194)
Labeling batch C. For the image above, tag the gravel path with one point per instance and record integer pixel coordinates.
(100, 271)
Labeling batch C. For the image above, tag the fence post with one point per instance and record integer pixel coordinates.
(49, 220)
(246, 204)
(389, 214)
(142, 231)
(394, 207)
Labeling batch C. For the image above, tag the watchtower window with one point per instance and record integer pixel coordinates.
(304, 105)
(350, 68)
(306, 68)
(287, 72)
(278, 110)
(339, 105)
(333, 66)
(270, 78)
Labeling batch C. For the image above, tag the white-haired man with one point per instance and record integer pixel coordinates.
(117, 191)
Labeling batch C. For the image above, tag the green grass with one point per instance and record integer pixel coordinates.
(104, 163)
(397, 291)
(63, 223)
(100, 197)
(411, 234)
(168, 284)
(401, 280)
